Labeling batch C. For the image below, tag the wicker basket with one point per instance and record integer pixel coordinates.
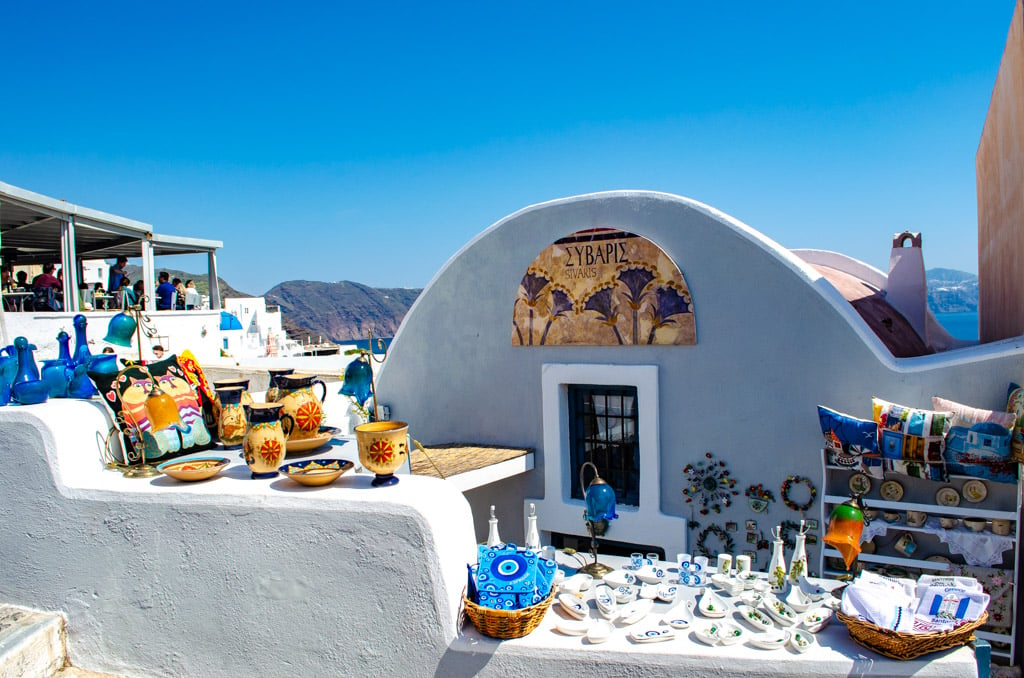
(504, 624)
(899, 645)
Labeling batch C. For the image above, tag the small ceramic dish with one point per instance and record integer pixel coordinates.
(752, 598)
(604, 598)
(711, 605)
(974, 491)
(749, 580)
(652, 635)
(572, 605)
(600, 631)
(617, 578)
(947, 496)
(635, 611)
(580, 581)
(859, 483)
(975, 524)
(816, 619)
(729, 633)
(625, 594)
(651, 575)
(648, 591)
(891, 490)
(679, 617)
(667, 592)
(572, 627)
(307, 444)
(813, 591)
(798, 600)
(779, 611)
(707, 634)
(198, 468)
(755, 618)
(802, 641)
(316, 472)
(771, 640)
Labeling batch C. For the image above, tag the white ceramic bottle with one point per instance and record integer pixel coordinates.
(532, 535)
(493, 539)
(777, 566)
(798, 565)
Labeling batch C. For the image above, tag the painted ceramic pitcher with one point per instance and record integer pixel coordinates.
(228, 383)
(383, 448)
(274, 389)
(265, 438)
(231, 418)
(299, 401)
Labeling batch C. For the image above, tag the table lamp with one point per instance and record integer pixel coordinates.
(599, 498)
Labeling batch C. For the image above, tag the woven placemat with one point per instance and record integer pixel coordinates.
(455, 458)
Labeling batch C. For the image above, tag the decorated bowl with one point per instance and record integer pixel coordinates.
(316, 472)
(197, 468)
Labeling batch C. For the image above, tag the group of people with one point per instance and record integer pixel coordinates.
(170, 294)
(48, 289)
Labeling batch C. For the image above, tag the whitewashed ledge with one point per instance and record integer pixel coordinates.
(236, 577)
(228, 577)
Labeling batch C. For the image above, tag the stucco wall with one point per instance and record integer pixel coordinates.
(773, 341)
(230, 577)
(999, 168)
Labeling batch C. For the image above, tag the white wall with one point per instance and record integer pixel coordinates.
(229, 577)
(773, 341)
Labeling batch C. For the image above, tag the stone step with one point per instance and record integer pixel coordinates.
(31, 642)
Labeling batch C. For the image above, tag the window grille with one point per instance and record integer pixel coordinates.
(603, 430)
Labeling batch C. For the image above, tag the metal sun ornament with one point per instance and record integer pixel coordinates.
(709, 484)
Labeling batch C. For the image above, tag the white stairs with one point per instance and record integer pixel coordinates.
(32, 645)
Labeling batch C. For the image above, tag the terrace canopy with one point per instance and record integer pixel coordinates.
(36, 229)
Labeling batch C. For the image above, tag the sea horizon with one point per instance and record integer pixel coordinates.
(962, 325)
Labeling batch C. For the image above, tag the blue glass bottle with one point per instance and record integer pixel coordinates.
(27, 370)
(64, 352)
(82, 353)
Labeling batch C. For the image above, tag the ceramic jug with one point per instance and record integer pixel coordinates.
(798, 565)
(306, 410)
(27, 370)
(8, 368)
(264, 443)
(82, 354)
(231, 419)
(383, 448)
(274, 389)
(57, 374)
(215, 405)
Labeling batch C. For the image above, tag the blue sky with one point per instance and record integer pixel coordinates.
(298, 133)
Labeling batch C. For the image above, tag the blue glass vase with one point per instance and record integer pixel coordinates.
(64, 341)
(82, 353)
(8, 368)
(57, 374)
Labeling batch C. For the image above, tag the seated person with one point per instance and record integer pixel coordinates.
(22, 278)
(7, 278)
(47, 278)
(165, 293)
(139, 290)
(125, 292)
(179, 299)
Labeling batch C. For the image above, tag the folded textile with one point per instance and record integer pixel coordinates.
(925, 581)
(876, 605)
(950, 602)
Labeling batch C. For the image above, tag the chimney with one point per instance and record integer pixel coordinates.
(906, 290)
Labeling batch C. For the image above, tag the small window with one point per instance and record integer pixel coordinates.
(603, 430)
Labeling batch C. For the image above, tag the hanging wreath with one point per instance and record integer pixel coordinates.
(758, 497)
(785, 533)
(788, 485)
(709, 483)
(728, 545)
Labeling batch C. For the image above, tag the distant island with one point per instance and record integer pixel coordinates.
(345, 311)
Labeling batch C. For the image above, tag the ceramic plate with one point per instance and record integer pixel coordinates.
(771, 640)
(307, 444)
(617, 578)
(680, 617)
(199, 468)
(316, 472)
(729, 634)
(755, 618)
(780, 612)
(651, 635)
(860, 483)
(947, 496)
(974, 491)
(891, 490)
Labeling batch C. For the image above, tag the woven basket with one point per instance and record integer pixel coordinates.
(504, 624)
(899, 645)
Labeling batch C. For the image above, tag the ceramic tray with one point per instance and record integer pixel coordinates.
(199, 468)
(316, 472)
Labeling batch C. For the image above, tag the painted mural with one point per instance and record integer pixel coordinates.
(603, 287)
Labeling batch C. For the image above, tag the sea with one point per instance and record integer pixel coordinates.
(960, 325)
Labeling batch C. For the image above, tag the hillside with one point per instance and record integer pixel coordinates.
(951, 291)
(135, 273)
(340, 311)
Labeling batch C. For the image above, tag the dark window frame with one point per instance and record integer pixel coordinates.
(603, 428)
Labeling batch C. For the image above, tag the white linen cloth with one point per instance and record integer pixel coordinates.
(883, 602)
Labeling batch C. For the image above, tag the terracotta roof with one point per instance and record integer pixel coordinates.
(892, 328)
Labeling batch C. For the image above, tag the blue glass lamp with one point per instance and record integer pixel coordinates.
(600, 500)
(358, 381)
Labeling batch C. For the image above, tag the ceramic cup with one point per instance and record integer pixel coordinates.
(636, 560)
(1000, 526)
(683, 558)
(870, 513)
(724, 563)
(916, 518)
(975, 524)
(548, 553)
(742, 564)
(700, 564)
(948, 523)
(891, 516)
(652, 559)
(906, 544)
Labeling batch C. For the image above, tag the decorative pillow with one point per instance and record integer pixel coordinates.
(910, 434)
(125, 393)
(978, 442)
(850, 442)
(1015, 406)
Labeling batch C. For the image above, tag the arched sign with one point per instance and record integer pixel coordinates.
(603, 287)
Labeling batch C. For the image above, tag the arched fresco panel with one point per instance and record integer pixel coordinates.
(603, 287)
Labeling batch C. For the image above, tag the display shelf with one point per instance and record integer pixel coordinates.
(1003, 501)
(930, 509)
